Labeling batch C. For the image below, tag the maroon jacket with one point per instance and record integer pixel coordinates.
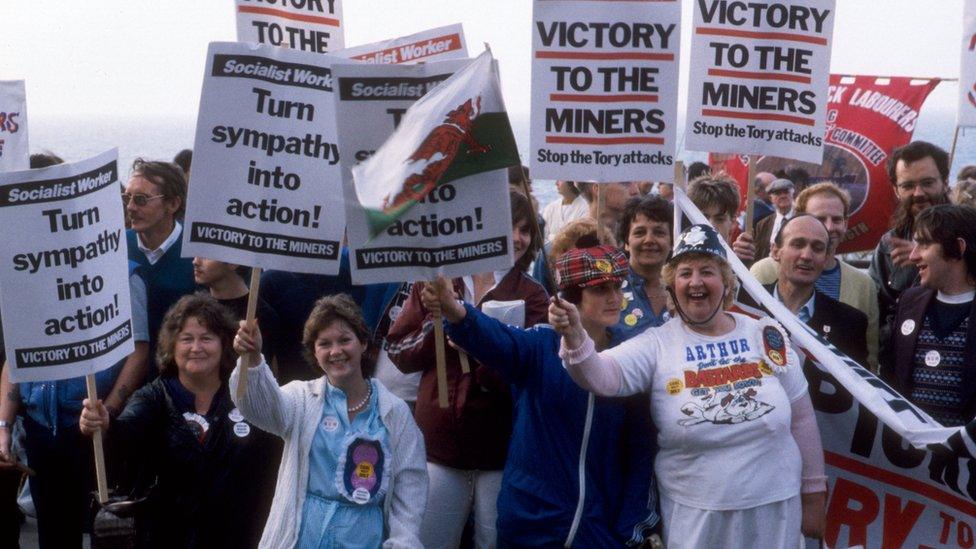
(473, 431)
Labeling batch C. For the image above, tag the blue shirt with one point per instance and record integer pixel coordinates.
(829, 282)
(348, 476)
(636, 312)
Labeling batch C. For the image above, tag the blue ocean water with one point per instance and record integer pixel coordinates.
(161, 138)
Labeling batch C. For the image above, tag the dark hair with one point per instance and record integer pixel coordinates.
(943, 225)
(915, 151)
(514, 178)
(522, 211)
(778, 239)
(329, 309)
(719, 191)
(183, 159)
(43, 160)
(698, 169)
(167, 176)
(653, 207)
(209, 313)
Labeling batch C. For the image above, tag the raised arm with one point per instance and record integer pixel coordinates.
(508, 350)
(266, 405)
(588, 369)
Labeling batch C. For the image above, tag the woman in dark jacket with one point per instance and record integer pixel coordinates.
(215, 472)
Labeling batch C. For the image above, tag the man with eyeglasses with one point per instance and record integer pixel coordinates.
(918, 173)
(155, 199)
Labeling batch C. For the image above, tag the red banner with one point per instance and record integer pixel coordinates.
(867, 118)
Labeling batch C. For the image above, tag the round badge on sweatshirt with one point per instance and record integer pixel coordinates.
(933, 358)
(360, 495)
(242, 429)
(907, 327)
(630, 320)
(330, 423)
(235, 415)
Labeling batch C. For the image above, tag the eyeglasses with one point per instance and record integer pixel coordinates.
(926, 184)
(139, 199)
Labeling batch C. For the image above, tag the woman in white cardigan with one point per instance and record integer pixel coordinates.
(353, 472)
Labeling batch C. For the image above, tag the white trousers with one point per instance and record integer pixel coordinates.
(451, 496)
(772, 526)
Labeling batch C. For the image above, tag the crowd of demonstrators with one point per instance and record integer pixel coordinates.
(467, 442)
(748, 466)
(548, 437)
(202, 464)
(353, 471)
(839, 280)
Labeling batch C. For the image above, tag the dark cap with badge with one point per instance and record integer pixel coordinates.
(699, 239)
(583, 267)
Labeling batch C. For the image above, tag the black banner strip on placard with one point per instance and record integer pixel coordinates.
(266, 243)
(52, 190)
(57, 355)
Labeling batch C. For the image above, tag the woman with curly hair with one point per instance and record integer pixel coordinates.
(213, 469)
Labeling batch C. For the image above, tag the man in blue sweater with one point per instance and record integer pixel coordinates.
(155, 199)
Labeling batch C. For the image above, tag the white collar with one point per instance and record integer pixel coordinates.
(956, 299)
(155, 255)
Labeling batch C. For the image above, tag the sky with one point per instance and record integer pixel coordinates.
(145, 58)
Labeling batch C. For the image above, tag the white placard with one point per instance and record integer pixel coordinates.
(759, 78)
(64, 279)
(415, 248)
(266, 176)
(308, 25)
(967, 67)
(429, 45)
(604, 89)
(14, 151)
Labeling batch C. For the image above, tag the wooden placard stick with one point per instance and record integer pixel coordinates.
(252, 313)
(441, 359)
(100, 479)
(952, 151)
(750, 195)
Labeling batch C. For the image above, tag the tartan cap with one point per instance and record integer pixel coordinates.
(582, 267)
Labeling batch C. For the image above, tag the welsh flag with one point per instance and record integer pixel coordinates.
(458, 129)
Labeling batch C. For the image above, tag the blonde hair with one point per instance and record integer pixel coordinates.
(964, 192)
(566, 238)
(824, 187)
(728, 277)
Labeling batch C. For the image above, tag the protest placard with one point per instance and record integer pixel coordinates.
(967, 67)
(64, 279)
(14, 153)
(867, 118)
(604, 89)
(266, 162)
(758, 81)
(307, 25)
(463, 225)
(429, 45)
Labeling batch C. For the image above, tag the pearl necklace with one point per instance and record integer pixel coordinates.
(364, 401)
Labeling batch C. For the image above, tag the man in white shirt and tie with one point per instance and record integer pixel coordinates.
(780, 193)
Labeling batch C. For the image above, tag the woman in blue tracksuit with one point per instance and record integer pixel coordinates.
(579, 467)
